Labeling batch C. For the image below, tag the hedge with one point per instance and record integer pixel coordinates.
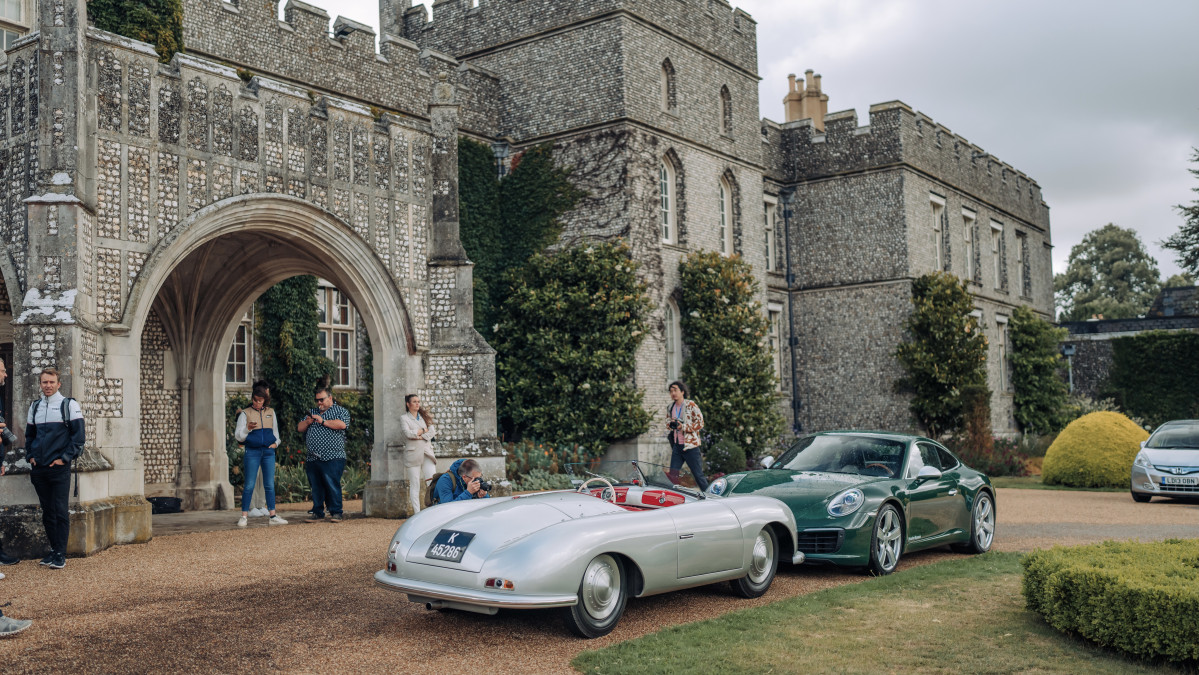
(1095, 450)
(1155, 376)
(1139, 598)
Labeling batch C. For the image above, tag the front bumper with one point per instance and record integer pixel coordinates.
(424, 591)
(1148, 481)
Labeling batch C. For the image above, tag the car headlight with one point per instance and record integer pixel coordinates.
(1142, 461)
(718, 487)
(846, 503)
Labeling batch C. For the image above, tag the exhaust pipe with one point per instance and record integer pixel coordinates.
(437, 604)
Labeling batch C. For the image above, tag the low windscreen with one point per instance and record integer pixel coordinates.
(864, 455)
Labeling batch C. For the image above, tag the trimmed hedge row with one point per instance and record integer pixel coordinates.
(1139, 598)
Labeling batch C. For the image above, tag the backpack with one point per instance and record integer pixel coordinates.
(431, 493)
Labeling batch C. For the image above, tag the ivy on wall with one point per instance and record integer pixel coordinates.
(729, 367)
(1155, 376)
(566, 340)
(945, 352)
(158, 22)
(1040, 393)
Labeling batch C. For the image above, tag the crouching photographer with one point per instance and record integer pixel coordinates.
(463, 481)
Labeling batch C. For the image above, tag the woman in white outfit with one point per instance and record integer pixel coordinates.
(418, 458)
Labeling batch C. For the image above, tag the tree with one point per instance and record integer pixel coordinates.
(1185, 242)
(1040, 393)
(566, 339)
(288, 341)
(504, 222)
(1108, 273)
(159, 22)
(1177, 280)
(946, 352)
(729, 367)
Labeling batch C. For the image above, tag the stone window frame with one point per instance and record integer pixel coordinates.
(668, 201)
(969, 222)
(1001, 343)
(672, 340)
(997, 251)
(725, 232)
(774, 337)
(770, 205)
(243, 336)
(667, 91)
(1022, 264)
(337, 336)
(937, 205)
(726, 110)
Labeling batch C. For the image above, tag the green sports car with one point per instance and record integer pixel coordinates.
(863, 499)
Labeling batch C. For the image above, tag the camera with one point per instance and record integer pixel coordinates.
(7, 436)
(673, 424)
(484, 486)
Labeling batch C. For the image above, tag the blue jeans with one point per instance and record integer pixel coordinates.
(326, 485)
(678, 455)
(259, 457)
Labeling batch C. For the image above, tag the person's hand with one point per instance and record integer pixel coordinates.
(473, 486)
(252, 425)
(315, 419)
(57, 462)
(3, 425)
(274, 445)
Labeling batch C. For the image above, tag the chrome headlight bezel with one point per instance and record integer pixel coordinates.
(718, 487)
(846, 503)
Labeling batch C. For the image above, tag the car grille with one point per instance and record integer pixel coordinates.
(1177, 470)
(821, 541)
(1179, 488)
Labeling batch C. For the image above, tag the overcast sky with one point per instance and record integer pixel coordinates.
(1096, 100)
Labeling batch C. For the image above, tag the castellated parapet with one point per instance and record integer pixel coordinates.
(302, 49)
(897, 135)
(465, 28)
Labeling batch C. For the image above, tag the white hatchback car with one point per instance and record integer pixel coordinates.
(1168, 463)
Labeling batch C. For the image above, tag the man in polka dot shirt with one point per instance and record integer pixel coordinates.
(324, 432)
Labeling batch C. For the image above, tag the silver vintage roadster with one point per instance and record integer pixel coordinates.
(627, 530)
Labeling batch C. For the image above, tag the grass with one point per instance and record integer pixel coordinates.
(1034, 483)
(958, 616)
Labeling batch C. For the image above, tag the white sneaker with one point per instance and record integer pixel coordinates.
(241, 522)
(276, 520)
(10, 626)
(1, 575)
(258, 513)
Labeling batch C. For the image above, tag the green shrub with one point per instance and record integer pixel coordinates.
(235, 452)
(1155, 375)
(526, 456)
(1095, 450)
(360, 435)
(540, 479)
(1040, 392)
(354, 481)
(723, 457)
(291, 484)
(1035, 445)
(1139, 598)
(159, 22)
(1002, 458)
(1078, 405)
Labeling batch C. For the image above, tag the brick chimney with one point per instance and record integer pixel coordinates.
(806, 103)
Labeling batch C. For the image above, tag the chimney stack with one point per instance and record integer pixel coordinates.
(806, 103)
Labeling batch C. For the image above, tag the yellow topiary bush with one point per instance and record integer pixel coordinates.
(1095, 450)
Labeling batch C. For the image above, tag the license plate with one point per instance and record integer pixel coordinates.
(1180, 480)
(449, 545)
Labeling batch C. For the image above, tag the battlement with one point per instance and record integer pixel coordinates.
(303, 49)
(464, 28)
(897, 134)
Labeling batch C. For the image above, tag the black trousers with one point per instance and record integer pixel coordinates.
(53, 486)
(694, 462)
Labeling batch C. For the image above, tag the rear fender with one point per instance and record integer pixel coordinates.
(435, 517)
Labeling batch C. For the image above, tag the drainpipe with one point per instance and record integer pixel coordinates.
(788, 198)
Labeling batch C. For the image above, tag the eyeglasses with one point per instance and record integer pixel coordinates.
(322, 399)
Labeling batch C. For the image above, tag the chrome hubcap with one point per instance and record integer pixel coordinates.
(984, 523)
(888, 535)
(763, 558)
(601, 587)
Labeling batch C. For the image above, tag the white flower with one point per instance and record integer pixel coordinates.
(749, 439)
(727, 404)
(725, 299)
(695, 313)
(586, 385)
(745, 330)
(495, 328)
(732, 380)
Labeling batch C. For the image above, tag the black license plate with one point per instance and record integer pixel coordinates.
(449, 545)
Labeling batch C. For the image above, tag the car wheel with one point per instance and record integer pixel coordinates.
(602, 598)
(763, 563)
(982, 524)
(1138, 497)
(886, 544)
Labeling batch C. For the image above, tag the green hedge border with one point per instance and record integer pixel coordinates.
(1139, 598)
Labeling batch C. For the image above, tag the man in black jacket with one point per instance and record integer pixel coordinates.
(53, 439)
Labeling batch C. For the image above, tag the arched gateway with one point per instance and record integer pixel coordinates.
(147, 206)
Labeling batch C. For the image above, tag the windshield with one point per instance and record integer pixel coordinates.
(863, 455)
(1177, 436)
(631, 472)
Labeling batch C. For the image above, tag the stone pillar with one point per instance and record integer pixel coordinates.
(56, 325)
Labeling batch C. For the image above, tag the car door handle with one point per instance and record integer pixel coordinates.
(953, 492)
(686, 536)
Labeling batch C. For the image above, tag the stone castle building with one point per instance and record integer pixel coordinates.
(148, 204)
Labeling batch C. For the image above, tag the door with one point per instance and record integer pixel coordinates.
(709, 538)
(932, 503)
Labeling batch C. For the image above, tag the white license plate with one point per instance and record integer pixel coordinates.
(1180, 480)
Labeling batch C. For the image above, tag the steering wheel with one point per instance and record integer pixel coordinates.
(608, 495)
(882, 466)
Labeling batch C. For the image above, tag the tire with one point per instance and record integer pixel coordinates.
(982, 524)
(764, 562)
(886, 542)
(1140, 498)
(602, 598)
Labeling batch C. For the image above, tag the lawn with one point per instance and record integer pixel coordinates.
(1034, 483)
(958, 616)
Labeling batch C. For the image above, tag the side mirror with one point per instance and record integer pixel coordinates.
(768, 461)
(928, 473)
(1144, 443)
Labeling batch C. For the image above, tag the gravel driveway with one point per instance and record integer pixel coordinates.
(300, 599)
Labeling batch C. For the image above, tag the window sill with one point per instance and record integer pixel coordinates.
(674, 246)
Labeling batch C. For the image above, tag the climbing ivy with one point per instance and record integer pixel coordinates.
(158, 22)
(1040, 392)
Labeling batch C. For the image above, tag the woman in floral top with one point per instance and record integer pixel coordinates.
(684, 420)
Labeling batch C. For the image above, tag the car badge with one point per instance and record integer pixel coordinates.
(1178, 470)
(662, 499)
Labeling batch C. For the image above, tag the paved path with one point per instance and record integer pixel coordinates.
(299, 598)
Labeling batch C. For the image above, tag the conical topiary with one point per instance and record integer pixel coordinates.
(1095, 450)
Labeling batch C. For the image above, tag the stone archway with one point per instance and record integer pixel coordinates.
(196, 286)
